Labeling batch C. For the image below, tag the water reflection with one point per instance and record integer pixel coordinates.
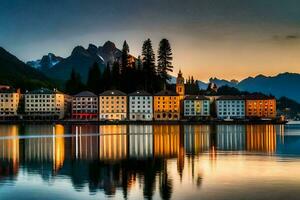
(108, 159)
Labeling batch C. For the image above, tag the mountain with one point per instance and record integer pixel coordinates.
(222, 82)
(46, 62)
(284, 84)
(15, 73)
(80, 60)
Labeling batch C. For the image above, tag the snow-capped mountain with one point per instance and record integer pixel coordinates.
(47, 62)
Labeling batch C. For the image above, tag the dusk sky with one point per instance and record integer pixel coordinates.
(210, 38)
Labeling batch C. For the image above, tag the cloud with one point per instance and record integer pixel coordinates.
(292, 37)
(286, 37)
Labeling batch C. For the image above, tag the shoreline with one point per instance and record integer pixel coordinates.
(178, 122)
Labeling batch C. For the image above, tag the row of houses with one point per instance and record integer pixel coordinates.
(137, 106)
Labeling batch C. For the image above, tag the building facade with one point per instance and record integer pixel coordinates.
(46, 104)
(113, 105)
(196, 106)
(9, 102)
(85, 106)
(230, 107)
(260, 106)
(140, 106)
(166, 106)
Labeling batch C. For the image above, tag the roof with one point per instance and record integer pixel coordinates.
(259, 97)
(231, 97)
(44, 91)
(196, 97)
(7, 91)
(166, 93)
(113, 93)
(4, 87)
(85, 94)
(139, 93)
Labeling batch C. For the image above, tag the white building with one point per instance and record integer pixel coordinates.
(196, 106)
(140, 106)
(230, 107)
(46, 104)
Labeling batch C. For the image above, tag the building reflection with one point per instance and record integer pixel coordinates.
(113, 142)
(261, 138)
(230, 138)
(85, 144)
(140, 141)
(9, 151)
(111, 157)
(196, 139)
(47, 147)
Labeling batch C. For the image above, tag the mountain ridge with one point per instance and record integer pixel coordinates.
(81, 59)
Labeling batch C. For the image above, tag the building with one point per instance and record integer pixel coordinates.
(196, 106)
(166, 105)
(9, 102)
(180, 88)
(140, 106)
(85, 106)
(46, 104)
(230, 107)
(260, 106)
(113, 105)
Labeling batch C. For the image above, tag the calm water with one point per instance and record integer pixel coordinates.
(149, 162)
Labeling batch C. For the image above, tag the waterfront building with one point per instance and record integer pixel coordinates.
(85, 106)
(9, 102)
(113, 105)
(230, 107)
(46, 104)
(166, 105)
(260, 106)
(196, 106)
(140, 106)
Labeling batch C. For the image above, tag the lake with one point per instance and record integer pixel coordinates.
(149, 162)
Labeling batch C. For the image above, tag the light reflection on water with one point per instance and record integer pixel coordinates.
(152, 162)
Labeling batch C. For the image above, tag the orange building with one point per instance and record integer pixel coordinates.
(260, 106)
(167, 104)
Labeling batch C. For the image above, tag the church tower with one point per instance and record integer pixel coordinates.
(180, 85)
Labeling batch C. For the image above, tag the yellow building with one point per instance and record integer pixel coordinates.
(113, 105)
(9, 102)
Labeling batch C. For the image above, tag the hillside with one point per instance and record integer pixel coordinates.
(16, 73)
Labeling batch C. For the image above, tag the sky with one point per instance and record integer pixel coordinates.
(228, 39)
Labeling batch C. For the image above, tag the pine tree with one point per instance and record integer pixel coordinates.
(164, 59)
(106, 77)
(148, 56)
(148, 59)
(125, 55)
(74, 85)
(139, 64)
(115, 75)
(94, 82)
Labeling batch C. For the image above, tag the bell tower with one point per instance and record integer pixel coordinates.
(180, 84)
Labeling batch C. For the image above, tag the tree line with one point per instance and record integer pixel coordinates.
(142, 74)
